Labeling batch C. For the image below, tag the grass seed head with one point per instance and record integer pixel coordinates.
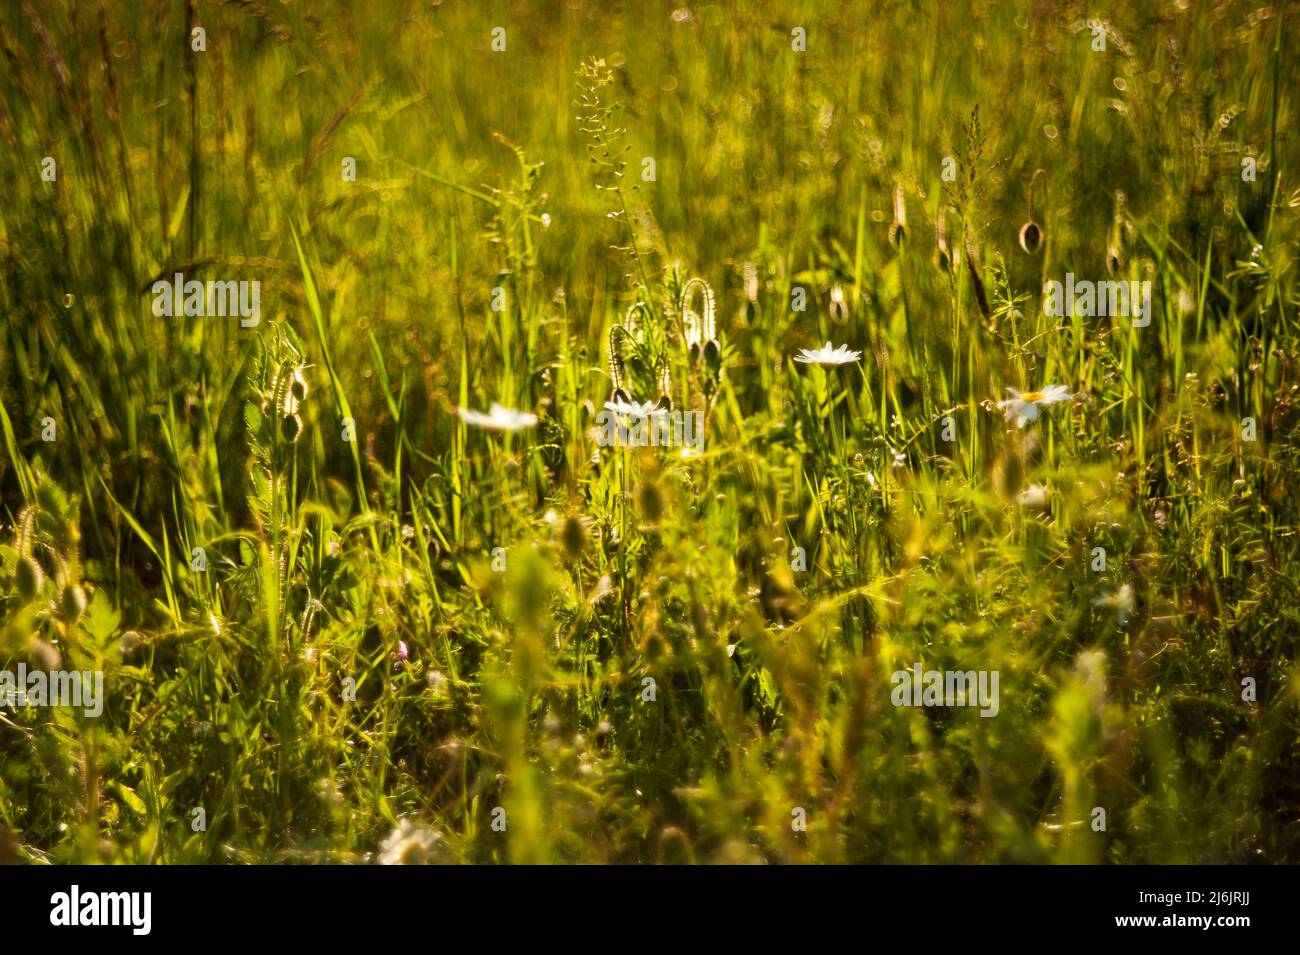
(573, 535)
(73, 603)
(28, 577)
(290, 428)
(651, 500)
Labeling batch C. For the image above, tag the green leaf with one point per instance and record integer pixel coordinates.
(134, 802)
(101, 620)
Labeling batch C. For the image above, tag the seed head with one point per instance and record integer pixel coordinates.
(290, 428)
(73, 603)
(573, 535)
(1031, 237)
(652, 502)
(898, 229)
(29, 577)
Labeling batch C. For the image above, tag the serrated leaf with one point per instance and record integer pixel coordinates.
(100, 620)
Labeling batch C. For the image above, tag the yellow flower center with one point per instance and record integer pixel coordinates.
(1032, 396)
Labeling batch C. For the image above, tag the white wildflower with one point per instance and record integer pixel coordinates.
(498, 419)
(826, 355)
(1022, 407)
(410, 844)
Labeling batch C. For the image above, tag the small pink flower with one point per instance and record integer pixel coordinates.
(403, 651)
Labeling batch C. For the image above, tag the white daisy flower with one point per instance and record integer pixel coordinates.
(630, 406)
(410, 844)
(1022, 407)
(826, 355)
(1122, 602)
(498, 419)
(1033, 497)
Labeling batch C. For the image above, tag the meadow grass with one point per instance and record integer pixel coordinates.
(403, 623)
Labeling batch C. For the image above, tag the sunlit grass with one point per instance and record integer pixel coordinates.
(436, 620)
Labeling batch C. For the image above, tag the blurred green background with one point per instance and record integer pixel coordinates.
(371, 561)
